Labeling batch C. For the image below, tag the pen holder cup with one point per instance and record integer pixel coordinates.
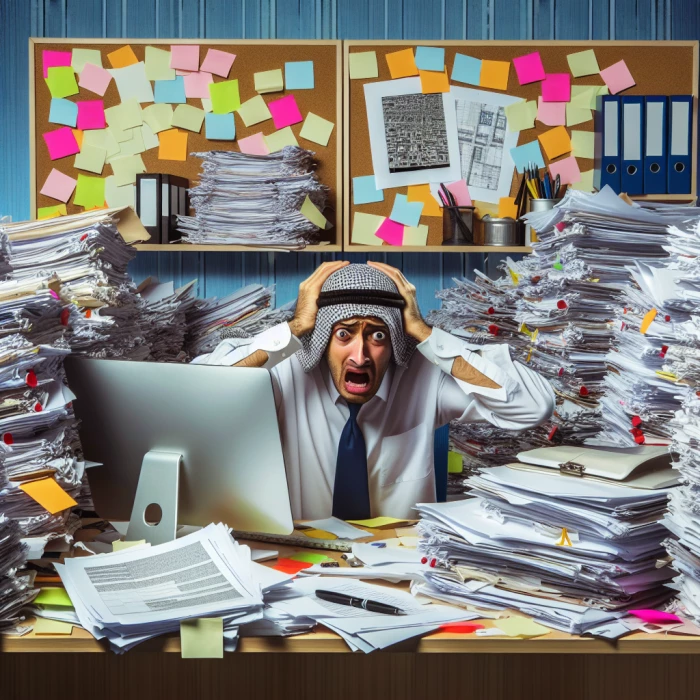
(502, 232)
(537, 205)
(457, 226)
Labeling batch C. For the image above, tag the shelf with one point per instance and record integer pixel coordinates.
(191, 248)
(437, 249)
(663, 197)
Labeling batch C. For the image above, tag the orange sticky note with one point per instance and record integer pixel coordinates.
(434, 81)
(48, 494)
(494, 74)
(421, 193)
(507, 207)
(555, 142)
(402, 64)
(649, 316)
(122, 57)
(173, 145)
(78, 133)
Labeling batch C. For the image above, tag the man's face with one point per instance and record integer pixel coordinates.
(358, 355)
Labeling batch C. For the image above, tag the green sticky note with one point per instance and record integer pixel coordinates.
(521, 627)
(188, 117)
(159, 117)
(521, 115)
(89, 192)
(415, 235)
(61, 81)
(124, 196)
(583, 63)
(51, 212)
(582, 144)
(310, 558)
(44, 626)
(455, 462)
(224, 96)
(575, 115)
(309, 210)
(125, 170)
(254, 111)
(365, 227)
(101, 138)
(126, 115)
(53, 596)
(585, 184)
(269, 81)
(363, 65)
(316, 129)
(79, 57)
(280, 139)
(581, 95)
(380, 521)
(158, 64)
(120, 545)
(90, 158)
(202, 638)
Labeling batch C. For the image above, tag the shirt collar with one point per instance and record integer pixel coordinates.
(382, 393)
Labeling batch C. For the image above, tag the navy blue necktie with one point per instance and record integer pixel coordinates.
(351, 488)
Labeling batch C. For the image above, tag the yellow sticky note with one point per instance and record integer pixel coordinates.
(421, 193)
(44, 626)
(583, 96)
(158, 64)
(122, 57)
(494, 74)
(507, 207)
(51, 212)
(126, 168)
(402, 64)
(649, 317)
(363, 65)
(583, 144)
(311, 212)
(433, 81)
(126, 115)
(254, 111)
(188, 117)
(202, 638)
(319, 534)
(555, 142)
(158, 116)
(79, 57)
(521, 115)
(120, 545)
(583, 63)
(90, 158)
(89, 192)
(576, 115)
(415, 235)
(56, 597)
(269, 81)
(364, 228)
(172, 145)
(455, 462)
(280, 139)
(380, 521)
(48, 494)
(521, 627)
(316, 129)
(224, 96)
(585, 184)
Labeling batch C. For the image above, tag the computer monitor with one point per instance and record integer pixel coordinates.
(222, 420)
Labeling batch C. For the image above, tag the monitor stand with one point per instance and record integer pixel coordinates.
(158, 485)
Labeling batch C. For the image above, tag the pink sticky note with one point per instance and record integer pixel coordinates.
(567, 169)
(52, 59)
(556, 87)
(551, 113)
(61, 143)
(391, 232)
(184, 72)
(91, 114)
(95, 79)
(254, 144)
(284, 112)
(461, 192)
(58, 186)
(655, 617)
(529, 68)
(197, 84)
(184, 56)
(617, 77)
(218, 62)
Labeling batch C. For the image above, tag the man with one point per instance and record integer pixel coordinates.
(358, 407)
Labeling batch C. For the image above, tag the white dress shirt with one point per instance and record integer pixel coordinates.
(398, 423)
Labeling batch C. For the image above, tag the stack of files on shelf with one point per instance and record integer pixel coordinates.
(574, 553)
(254, 200)
(15, 591)
(242, 314)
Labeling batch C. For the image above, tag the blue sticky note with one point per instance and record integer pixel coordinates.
(172, 91)
(405, 212)
(63, 112)
(527, 153)
(299, 75)
(466, 69)
(364, 190)
(430, 58)
(220, 127)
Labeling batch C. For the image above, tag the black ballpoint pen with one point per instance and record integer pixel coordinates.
(369, 605)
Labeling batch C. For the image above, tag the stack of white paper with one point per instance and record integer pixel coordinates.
(255, 200)
(15, 591)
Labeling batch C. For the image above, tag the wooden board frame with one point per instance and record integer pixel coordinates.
(489, 49)
(336, 182)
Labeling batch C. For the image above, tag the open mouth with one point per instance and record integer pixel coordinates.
(357, 381)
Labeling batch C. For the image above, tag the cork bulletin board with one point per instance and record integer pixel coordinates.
(658, 67)
(252, 56)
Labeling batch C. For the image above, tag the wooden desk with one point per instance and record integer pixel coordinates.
(319, 664)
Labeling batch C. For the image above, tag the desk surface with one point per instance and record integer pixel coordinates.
(323, 641)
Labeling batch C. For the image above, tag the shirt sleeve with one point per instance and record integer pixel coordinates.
(523, 400)
(278, 342)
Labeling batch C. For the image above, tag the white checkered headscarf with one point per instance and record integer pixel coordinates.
(356, 290)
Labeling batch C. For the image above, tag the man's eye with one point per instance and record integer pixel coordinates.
(342, 335)
(379, 335)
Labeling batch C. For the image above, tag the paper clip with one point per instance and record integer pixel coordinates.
(565, 540)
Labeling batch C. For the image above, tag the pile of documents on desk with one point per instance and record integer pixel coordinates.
(15, 591)
(256, 200)
(243, 314)
(573, 552)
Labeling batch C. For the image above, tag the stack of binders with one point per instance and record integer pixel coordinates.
(646, 145)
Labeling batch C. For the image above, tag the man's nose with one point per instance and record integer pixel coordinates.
(357, 351)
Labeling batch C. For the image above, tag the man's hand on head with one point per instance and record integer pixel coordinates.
(413, 322)
(305, 315)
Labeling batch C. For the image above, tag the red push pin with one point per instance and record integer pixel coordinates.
(535, 279)
(561, 372)
(65, 315)
(639, 439)
(30, 379)
(552, 432)
(663, 351)
(7, 438)
(490, 310)
(493, 329)
(38, 408)
(83, 237)
(667, 318)
(424, 560)
(636, 421)
(433, 561)
(583, 391)
(636, 432)
(560, 226)
(561, 304)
